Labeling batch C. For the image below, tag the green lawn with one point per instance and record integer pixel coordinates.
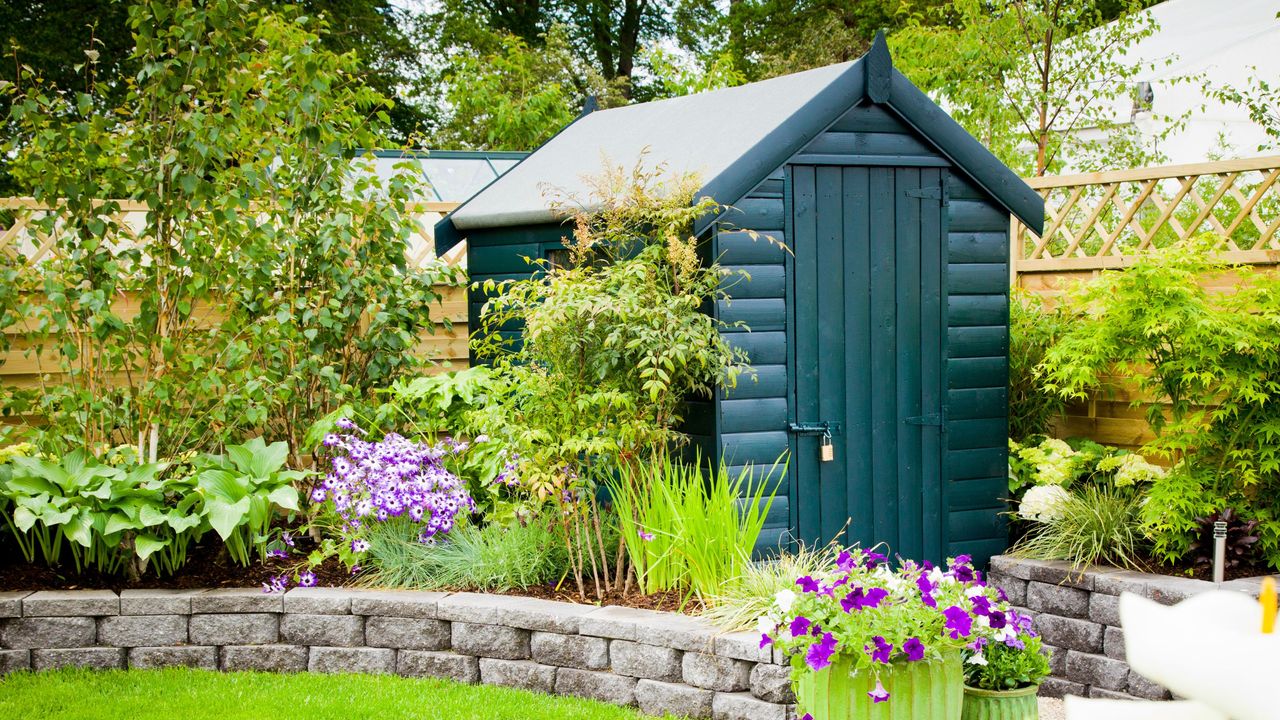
(179, 694)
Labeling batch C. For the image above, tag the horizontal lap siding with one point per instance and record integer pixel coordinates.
(500, 254)
(977, 371)
(752, 416)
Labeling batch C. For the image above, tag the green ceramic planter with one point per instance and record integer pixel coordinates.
(1017, 704)
(933, 690)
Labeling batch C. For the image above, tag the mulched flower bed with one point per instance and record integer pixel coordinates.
(209, 567)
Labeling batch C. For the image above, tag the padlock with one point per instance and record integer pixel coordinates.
(827, 451)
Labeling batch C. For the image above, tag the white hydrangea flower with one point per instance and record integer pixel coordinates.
(1043, 503)
(784, 600)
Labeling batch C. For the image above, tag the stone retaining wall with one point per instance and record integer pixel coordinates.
(1077, 615)
(659, 662)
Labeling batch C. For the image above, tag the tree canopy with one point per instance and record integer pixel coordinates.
(1021, 75)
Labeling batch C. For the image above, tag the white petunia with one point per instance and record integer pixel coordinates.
(784, 600)
(766, 624)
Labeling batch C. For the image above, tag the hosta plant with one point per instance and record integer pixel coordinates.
(131, 517)
(240, 492)
(863, 611)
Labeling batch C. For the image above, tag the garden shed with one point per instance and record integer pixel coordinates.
(882, 324)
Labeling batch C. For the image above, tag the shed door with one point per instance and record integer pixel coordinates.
(867, 336)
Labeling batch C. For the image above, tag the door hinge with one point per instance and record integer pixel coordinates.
(930, 419)
(941, 191)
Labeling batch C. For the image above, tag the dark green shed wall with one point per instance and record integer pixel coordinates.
(752, 418)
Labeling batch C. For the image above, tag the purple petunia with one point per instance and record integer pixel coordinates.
(845, 562)
(878, 694)
(958, 622)
(819, 655)
(807, 584)
(765, 640)
(799, 626)
(871, 560)
(859, 599)
(996, 619)
(913, 649)
(981, 605)
(882, 650)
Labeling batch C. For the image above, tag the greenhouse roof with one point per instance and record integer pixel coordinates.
(454, 175)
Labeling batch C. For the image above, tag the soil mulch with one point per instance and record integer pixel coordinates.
(1205, 572)
(671, 600)
(209, 567)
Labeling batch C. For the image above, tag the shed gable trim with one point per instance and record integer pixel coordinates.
(874, 78)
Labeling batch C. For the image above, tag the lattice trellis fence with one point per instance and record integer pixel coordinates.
(21, 234)
(1106, 220)
(1102, 220)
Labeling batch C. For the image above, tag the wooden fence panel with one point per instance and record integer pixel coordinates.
(1100, 221)
(29, 363)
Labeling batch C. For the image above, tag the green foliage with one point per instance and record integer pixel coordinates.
(73, 43)
(611, 348)
(743, 599)
(1172, 508)
(685, 527)
(1032, 330)
(1017, 73)
(1009, 668)
(241, 491)
(517, 96)
(674, 76)
(126, 518)
(1208, 370)
(1074, 462)
(1092, 526)
(269, 271)
(495, 557)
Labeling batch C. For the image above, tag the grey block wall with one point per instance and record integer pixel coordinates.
(1076, 614)
(652, 660)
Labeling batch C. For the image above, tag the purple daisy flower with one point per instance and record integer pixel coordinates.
(306, 579)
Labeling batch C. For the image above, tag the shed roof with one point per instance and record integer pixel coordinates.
(733, 138)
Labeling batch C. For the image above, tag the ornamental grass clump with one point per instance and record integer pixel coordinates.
(394, 478)
(864, 612)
